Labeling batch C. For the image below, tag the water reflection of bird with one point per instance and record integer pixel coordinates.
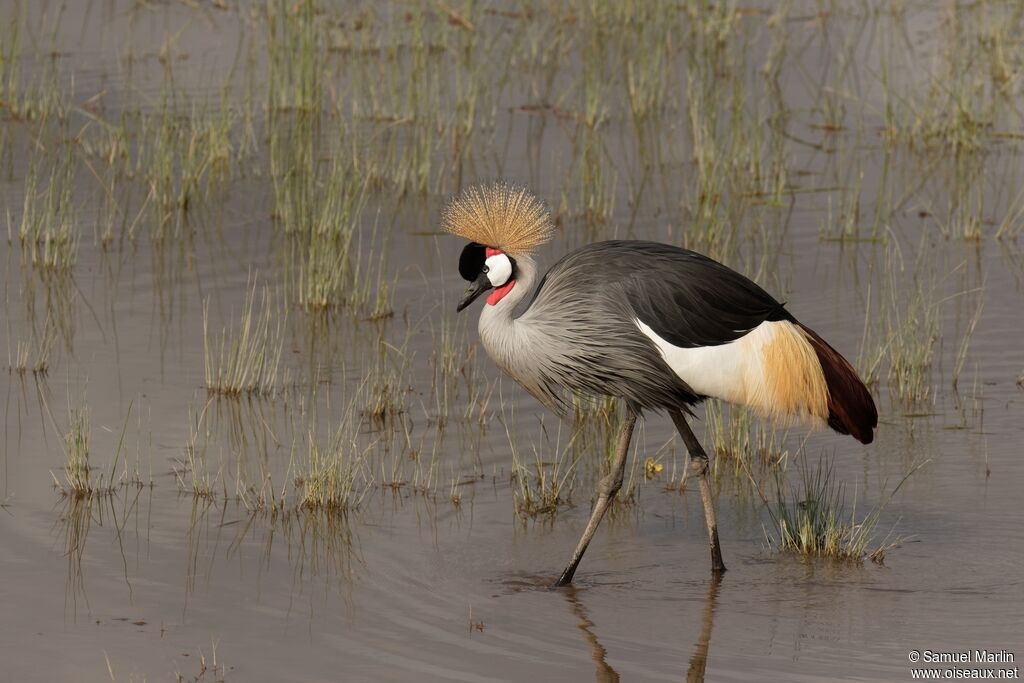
(605, 673)
(699, 658)
(658, 326)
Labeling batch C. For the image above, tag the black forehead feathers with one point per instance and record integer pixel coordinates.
(471, 262)
(473, 258)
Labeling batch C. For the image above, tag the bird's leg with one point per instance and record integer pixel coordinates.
(699, 467)
(606, 490)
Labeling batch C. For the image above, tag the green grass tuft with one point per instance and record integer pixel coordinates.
(811, 520)
(245, 361)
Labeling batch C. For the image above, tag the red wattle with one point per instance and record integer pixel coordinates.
(499, 292)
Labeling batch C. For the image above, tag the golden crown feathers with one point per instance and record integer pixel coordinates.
(501, 216)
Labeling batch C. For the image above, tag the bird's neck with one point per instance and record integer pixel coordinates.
(499, 329)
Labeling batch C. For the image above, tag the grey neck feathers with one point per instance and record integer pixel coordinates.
(535, 349)
(501, 333)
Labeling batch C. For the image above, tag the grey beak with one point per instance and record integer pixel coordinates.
(475, 289)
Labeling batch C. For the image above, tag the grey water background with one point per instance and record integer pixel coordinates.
(142, 584)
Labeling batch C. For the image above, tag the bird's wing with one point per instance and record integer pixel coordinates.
(688, 299)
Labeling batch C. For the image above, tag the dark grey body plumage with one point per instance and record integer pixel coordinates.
(592, 297)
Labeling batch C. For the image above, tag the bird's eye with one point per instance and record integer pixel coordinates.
(497, 269)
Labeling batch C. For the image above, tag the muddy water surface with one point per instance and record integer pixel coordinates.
(431, 573)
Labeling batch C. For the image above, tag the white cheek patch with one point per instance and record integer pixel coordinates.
(499, 269)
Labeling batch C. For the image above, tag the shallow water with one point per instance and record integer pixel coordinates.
(154, 582)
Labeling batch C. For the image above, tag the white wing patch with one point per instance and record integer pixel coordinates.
(733, 372)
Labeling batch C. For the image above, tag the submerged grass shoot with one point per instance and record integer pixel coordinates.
(543, 486)
(742, 444)
(335, 476)
(48, 231)
(812, 520)
(548, 487)
(80, 478)
(34, 354)
(187, 156)
(246, 360)
(77, 472)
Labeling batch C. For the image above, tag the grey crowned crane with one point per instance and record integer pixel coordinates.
(660, 327)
